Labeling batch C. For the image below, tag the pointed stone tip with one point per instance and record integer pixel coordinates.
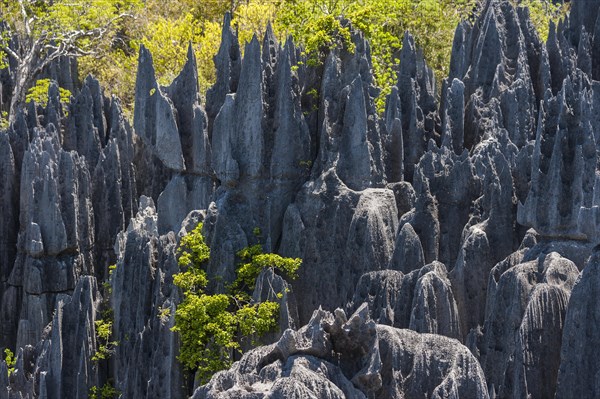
(252, 48)
(90, 79)
(289, 41)
(269, 32)
(227, 20)
(190, 51)
(145, 56)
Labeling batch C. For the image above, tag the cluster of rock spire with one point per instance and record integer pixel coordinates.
(448, 245)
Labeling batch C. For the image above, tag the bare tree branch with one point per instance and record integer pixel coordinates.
(25, 19)
(11, 53)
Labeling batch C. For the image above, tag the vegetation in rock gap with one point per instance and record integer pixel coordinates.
(213, 327)
(107, 391)
(104, 325)
(105, 345)
(10, 359)
(39, 93)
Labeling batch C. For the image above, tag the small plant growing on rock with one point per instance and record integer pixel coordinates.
(103, 336)
(212, 327)
(11, 360)
(107, 391)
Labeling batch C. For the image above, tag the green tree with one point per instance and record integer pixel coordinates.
(214, 327)
(42, 31)
(317, 25)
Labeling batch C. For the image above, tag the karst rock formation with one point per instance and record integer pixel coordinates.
(449, 244)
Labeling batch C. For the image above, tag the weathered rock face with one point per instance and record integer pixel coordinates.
(340, 234)
(578, 365)
(336, 357)
(422, 212)
(144, 300)
(529, 298)
(421, 300)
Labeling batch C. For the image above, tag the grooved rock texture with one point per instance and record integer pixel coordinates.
(421, 300)
(578, 373)
(525, 316)
(336, 357)
(464, 217)
(142, 291)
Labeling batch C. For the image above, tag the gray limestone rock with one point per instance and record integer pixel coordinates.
(227, 65)
(142, 287)
(487, 238)
(511, 146)
(408, 252)
(577, 375)
(424, 218)
(405, 196)
(272, 287)
(182, 194)
(354, 165)
(583, 17)
(453, 117)
(82, 134)
(421, 300)
(371, 360)
(61, 364)
(560, 203)
(434, 310)
(343, 234)
(248, 148)
(154, 116)
(388, 294)
(530, 299)
(10, 216)
(454, 185)
(350, 137)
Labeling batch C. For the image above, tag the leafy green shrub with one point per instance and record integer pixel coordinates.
(106, 345)
(10, 359)
(107, 391)
(214, 327)
(39, 93)
(104, 324)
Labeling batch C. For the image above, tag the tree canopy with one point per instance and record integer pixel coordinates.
(35, 33)
(106, 34)
(213, 327)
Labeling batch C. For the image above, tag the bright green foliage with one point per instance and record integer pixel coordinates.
(103, 338)
(214, 327)
(316, 25)
(10, 359)
(252, 17)
(193, 249)
(166, 28)
(164, 314)
(3, 120)
(106, 392)
(544, 11)
(256, 262)
(46, 30)
(39, 93)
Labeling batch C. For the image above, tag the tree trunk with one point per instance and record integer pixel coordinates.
(18, 97)
(24, 76)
